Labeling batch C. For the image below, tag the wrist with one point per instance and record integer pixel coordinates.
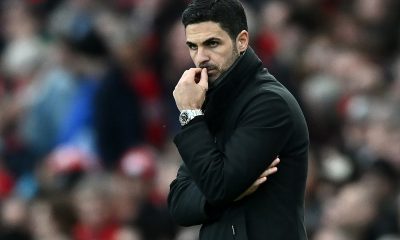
(187, 115)
(188, 107)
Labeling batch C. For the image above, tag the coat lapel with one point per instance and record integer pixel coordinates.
(219, 98)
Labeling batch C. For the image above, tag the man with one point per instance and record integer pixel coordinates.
(236, 120)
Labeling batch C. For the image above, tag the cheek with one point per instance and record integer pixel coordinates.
(219, 59)
(226, 61)
(227, 55)
(192, 56)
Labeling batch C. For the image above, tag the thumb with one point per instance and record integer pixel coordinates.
(204, 79)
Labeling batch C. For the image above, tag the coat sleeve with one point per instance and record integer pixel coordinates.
(262, 130)
(186, 203)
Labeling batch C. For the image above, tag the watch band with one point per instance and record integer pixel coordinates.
(188, 114)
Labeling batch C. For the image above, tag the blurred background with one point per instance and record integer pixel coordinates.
(87, 114)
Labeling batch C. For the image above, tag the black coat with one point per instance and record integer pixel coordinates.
(250, 118)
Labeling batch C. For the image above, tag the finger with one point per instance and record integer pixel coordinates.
(190, 75)
(183, 77)
(269, 171)
(252, 188)
(204, 79)
(195, 71)
(256, 185)
(275, 162)
(184, 74)
(259, 181)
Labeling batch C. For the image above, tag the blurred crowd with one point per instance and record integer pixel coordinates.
(87, 114)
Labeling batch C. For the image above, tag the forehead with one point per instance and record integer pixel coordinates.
(200, 32)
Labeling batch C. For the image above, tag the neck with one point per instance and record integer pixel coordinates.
(217, 81)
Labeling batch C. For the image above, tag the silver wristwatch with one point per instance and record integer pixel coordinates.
(188, 114)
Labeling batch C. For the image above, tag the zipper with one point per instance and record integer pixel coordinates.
(233, 232)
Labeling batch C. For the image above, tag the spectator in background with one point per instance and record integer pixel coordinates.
(7, 181)
(20, 64)
(52, 218)
(13, 219)
(128, 233)
(381, 177)
(349, 214)
(90, 66)
(95, 218)
(104, 119)
(61, 170)
(138, 169)
(42, 122)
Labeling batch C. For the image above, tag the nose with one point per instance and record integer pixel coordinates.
(202, 56)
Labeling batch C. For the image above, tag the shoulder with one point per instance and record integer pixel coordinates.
(265, 87)
(267, 96)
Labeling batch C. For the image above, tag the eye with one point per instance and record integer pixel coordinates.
(192, 46)
(213, 44)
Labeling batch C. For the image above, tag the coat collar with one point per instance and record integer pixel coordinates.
(229, 86)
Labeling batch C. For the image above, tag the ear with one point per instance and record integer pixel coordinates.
(242, 41)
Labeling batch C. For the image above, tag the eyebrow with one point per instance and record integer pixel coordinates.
(205, 42)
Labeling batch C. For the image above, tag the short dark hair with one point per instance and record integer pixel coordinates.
(228, 13)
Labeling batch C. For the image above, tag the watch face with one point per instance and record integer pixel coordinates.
(184, 117)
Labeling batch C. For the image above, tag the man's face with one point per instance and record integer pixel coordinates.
(211, 47)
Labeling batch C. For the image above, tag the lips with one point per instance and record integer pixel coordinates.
(208, 66)
(211, 70)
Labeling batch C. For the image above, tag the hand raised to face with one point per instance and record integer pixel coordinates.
(190, 92)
